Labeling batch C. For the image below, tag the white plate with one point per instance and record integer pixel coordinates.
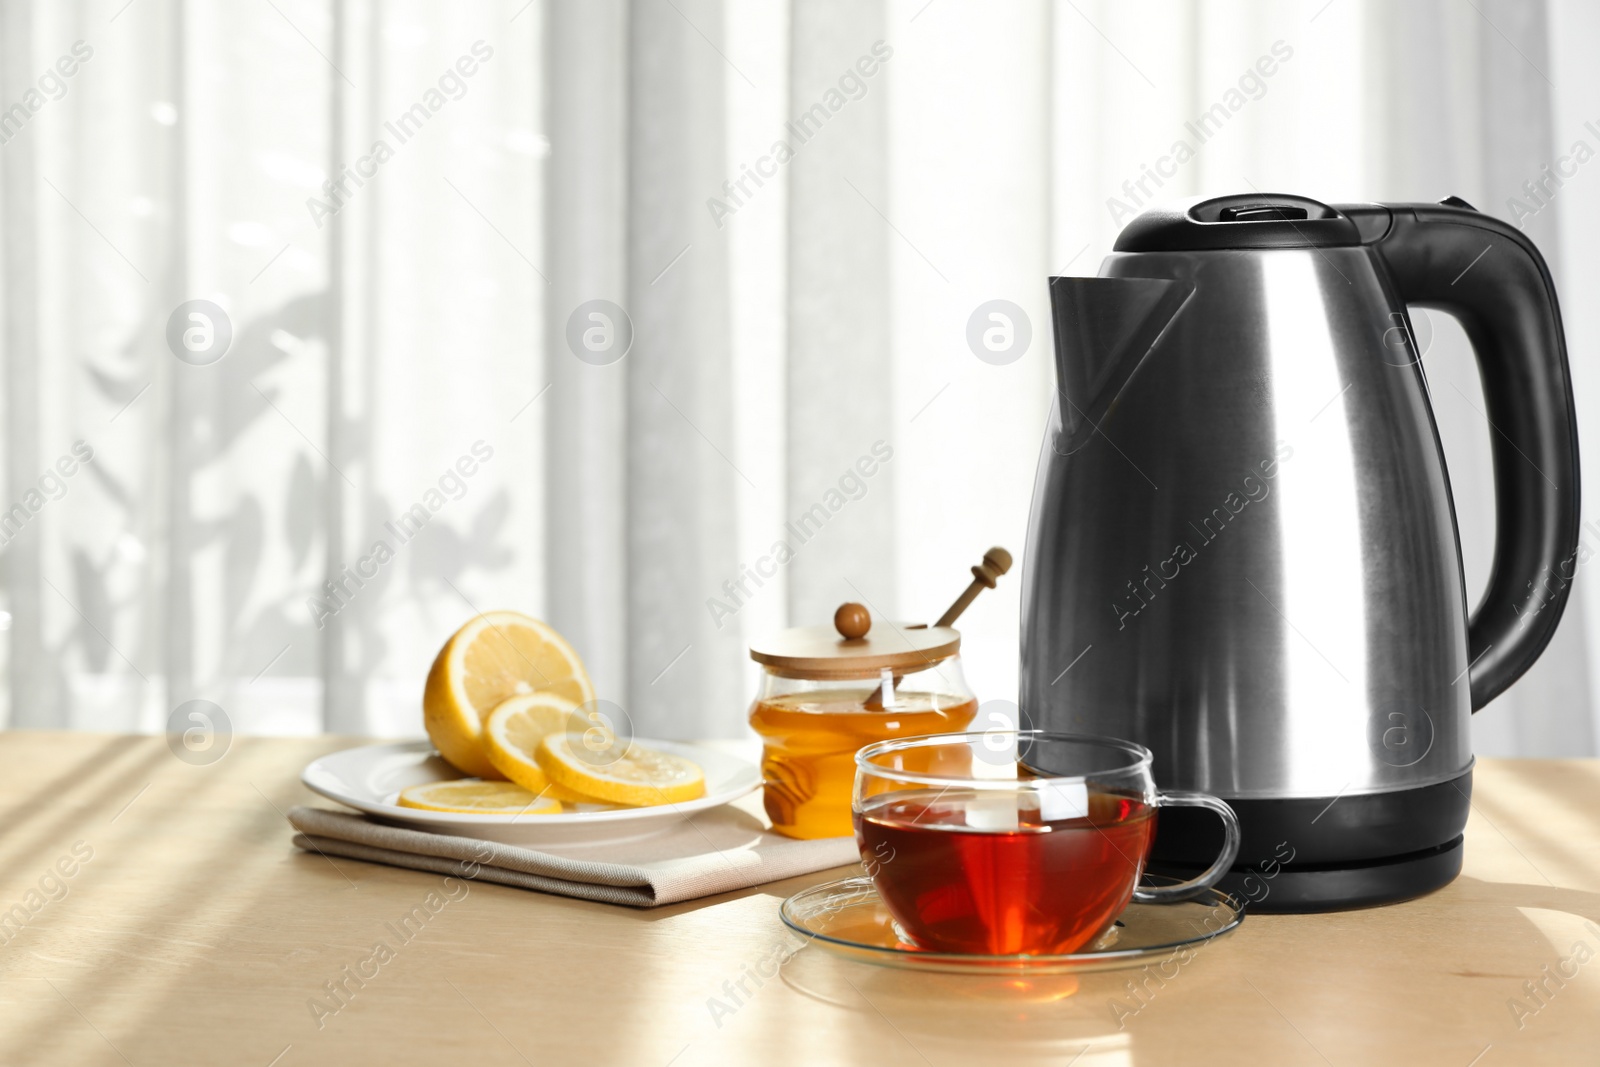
(370, 778)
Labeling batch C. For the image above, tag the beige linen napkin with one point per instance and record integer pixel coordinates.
(709, 852)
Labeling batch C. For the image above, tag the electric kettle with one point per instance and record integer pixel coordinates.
(1242, 551)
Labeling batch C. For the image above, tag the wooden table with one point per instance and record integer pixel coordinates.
(189, 931)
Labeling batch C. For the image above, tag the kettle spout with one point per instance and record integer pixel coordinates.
(1104, 327)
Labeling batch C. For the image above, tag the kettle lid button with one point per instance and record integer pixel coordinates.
(1456, 201)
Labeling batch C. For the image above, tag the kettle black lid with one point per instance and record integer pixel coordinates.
(1244, 220)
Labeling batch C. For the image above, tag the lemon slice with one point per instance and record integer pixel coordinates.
(636, 775)
(477, 798)
(513, 730)
(495, 656)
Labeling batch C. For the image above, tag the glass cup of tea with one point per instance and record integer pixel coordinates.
(1015, 842)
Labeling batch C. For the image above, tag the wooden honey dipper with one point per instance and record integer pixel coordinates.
(996, 562)
(853, 620)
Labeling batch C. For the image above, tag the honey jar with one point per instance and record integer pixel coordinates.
(826, 691)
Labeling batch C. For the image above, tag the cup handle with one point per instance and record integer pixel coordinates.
(1171, 894)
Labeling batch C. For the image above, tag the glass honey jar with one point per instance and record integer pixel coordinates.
(827, 691)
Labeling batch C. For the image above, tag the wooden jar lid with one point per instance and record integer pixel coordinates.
(825, 651)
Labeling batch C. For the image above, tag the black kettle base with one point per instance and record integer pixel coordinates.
(1302, 854)
(1332, 887)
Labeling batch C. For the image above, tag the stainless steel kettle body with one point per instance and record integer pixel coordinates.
(1243, 551)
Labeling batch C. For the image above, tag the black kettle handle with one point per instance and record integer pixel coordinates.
(1491, 277)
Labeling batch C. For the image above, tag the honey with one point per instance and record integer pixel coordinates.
(812, 736)
(828, 691)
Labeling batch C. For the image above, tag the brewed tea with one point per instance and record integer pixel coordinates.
(1005, 873)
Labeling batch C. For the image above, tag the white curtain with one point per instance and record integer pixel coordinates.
(787, 212)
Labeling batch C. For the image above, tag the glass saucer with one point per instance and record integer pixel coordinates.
(848, 918)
